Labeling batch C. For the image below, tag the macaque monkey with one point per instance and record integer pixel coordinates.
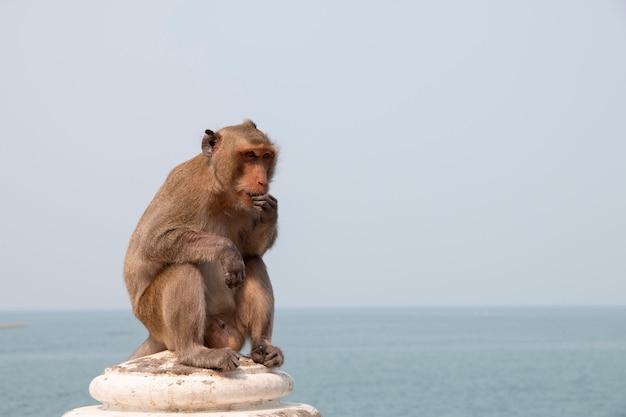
(193, 268)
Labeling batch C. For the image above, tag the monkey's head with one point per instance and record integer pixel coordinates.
(221, 334)
(243, 159)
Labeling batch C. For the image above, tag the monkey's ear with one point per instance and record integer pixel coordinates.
(209, 140)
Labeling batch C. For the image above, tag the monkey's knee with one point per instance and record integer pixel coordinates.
(174, 285)
(182, 284)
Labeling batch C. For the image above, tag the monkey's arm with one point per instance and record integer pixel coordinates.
(267, 205)
(188, 246)
(266, 231)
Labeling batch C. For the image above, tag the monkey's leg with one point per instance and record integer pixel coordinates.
(184, 316)
(255, 310)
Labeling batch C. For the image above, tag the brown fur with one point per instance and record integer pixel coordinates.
(203, 233)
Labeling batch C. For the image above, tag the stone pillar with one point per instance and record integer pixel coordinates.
(157, 386)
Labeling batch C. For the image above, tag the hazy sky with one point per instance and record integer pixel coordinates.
(433, 153)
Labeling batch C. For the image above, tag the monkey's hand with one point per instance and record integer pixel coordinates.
(232, 265)
(269, 355)
(267, 205)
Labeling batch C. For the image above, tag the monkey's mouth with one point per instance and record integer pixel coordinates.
(252, 195)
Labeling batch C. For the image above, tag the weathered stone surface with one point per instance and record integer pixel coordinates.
(157, 385)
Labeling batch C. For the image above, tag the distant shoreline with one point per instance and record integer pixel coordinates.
(11, 325)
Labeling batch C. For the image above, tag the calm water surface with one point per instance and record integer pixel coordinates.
(466, 362)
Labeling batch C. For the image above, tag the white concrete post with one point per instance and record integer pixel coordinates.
(157, 386)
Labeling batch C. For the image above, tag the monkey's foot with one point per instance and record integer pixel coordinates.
(268, 355)
(224, 359)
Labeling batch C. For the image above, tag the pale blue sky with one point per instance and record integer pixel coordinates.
(433, 153)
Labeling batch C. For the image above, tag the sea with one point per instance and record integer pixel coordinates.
(430, 362)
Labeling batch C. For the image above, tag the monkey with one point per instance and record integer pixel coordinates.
(194, 269)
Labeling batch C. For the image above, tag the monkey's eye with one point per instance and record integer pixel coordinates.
(267, 155)
(250, 154)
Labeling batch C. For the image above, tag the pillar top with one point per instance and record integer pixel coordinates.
(157, 385)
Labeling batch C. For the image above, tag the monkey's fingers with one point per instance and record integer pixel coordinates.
(233, 267)
(261, 205)
(273, 357)
(266, 204)
(234, 279)
(225, 359)
(272, 200)
(265, 199)
(233, 362)
(233, 282)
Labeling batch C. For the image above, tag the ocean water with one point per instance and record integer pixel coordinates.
(438, 362)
